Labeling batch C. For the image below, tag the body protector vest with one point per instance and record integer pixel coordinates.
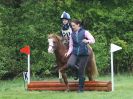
(79, 47)
(66, 32)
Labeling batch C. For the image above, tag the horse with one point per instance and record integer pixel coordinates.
(59, 49)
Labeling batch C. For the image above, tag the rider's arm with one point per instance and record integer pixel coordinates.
(90, 38)
(70, 45)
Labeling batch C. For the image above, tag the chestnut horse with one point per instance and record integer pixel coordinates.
(59, 49)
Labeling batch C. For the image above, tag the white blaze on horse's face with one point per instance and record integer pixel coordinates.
(51, 45)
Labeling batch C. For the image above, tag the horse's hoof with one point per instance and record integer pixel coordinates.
(61, 80)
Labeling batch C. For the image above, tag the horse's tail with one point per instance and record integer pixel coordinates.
(92, 68)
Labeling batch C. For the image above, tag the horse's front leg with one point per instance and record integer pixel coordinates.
(64, 76)
(60, 76)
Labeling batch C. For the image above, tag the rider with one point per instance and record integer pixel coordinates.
(66, 29)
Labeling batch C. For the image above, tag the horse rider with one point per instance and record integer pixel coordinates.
(79, 51)
(66, 29)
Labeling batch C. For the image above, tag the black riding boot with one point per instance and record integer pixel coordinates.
(81, 84)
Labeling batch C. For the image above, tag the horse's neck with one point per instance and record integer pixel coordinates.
(60, 52)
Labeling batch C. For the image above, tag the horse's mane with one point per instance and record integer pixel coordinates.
(55, 36)
(61, 48)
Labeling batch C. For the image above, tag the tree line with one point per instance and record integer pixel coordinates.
(28, 22)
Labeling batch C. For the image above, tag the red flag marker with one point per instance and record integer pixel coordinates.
(25, 50)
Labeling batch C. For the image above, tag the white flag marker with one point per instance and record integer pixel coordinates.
(113, 49)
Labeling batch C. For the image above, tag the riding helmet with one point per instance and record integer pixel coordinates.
(65, 16)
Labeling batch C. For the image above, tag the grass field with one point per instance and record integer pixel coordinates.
(14, 89)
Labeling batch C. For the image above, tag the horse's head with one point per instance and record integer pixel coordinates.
(54, 42)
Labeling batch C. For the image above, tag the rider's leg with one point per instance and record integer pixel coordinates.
(82, 65)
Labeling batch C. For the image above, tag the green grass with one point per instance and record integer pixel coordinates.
(14, 89)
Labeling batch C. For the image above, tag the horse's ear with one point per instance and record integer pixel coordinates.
(50, 35)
